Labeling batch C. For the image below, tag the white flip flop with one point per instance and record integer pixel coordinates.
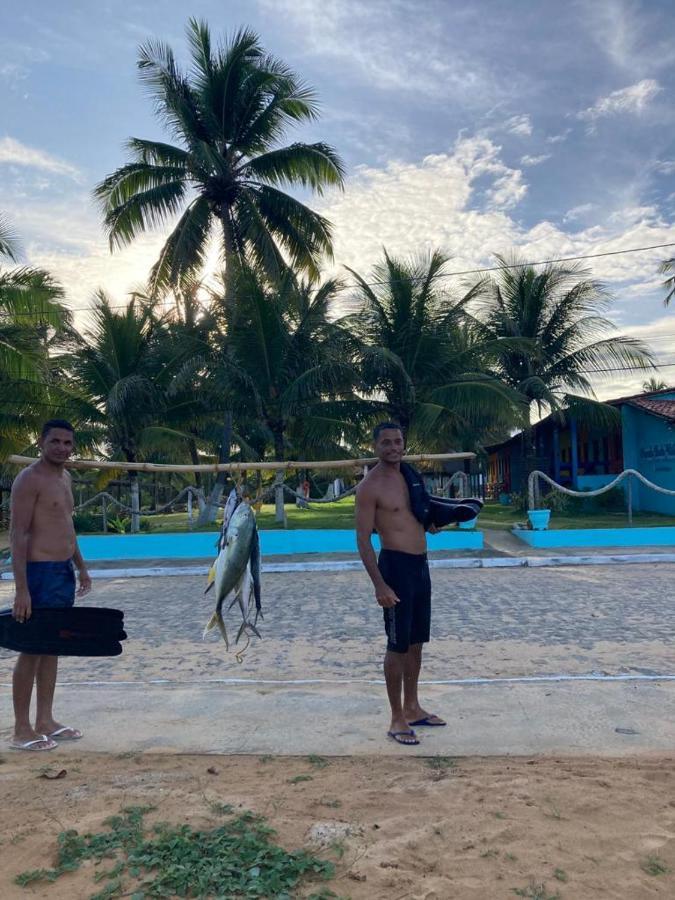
(60, 735)
(31, 746)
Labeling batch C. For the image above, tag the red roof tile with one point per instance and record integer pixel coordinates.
(663, 408)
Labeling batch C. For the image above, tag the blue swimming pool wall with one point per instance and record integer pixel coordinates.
(599, 537)
(198, 545)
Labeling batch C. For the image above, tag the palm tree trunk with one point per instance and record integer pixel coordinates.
(210, 511)
(279, 511)
(194, 456)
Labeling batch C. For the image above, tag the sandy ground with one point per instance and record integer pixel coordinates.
(486, 828)
(481, 829)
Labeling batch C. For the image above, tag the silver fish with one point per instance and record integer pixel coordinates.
(232, 561)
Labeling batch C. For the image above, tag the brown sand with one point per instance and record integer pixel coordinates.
(480, 829)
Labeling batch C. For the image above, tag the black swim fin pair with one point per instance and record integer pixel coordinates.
(70, 631)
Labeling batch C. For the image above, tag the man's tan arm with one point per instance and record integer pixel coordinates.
(365, 521)
(22, 506)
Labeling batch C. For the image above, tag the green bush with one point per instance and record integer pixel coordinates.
(85, 521)
(145, 524)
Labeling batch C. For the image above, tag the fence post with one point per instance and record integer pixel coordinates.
(531, 498)
(630, 499)
(135, 505)
(280, 512)
(189, 508)
(104, 510)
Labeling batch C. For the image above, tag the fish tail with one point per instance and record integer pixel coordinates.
(217, 620)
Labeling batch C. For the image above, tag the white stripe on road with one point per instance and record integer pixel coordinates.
(294, 682)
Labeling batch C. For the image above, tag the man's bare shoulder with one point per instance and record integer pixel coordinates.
(28, 479)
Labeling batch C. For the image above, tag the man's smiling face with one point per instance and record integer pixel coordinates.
(390, 445)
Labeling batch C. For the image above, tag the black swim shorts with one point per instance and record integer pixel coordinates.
(407, 574)
(51, 584)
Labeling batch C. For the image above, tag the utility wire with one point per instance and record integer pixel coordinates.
(457, 274)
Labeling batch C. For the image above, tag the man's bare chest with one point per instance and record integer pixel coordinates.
(55, 500)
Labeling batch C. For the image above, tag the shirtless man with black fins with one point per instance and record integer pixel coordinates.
(400, 577)
(44, 555)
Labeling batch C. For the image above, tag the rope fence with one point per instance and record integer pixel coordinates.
(534, 492)
(106, 501)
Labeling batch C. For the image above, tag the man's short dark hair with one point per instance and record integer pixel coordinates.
(385, 426)
(56, 423)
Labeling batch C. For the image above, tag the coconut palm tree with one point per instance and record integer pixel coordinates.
(555, 312)
(225, 172)
(654, 384)
(128, 373)
(33, 319)
(288, 366)
(555, 340)
(667, 267)
(417, 354)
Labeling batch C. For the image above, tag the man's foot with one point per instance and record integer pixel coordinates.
(404, 737)
(58, 732)
(419, 718)
(36, 743)
(65, 733)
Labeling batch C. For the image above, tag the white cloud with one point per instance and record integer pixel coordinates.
(15, 153)
(391, 48)
(558, 138)
(632, 99)
(665, 166)
(577, 212)
(520, 125)
(534, 160)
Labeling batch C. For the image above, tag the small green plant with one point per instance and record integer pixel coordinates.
(553, 810)
(298, 778)
(120, 524)
(145, 524)
(331, 804)
(535, 891)
(236, 859)
(489, 854)
(561, 875)
(653, 865)
(221, 809)
(499, 815)
(266, 758)
(511, 857)
(319, 762)
(441, 763)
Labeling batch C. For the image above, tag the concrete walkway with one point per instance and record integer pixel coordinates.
(611, 719)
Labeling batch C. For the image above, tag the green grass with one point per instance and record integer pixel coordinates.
(235, 859)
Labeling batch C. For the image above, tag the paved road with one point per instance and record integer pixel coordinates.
(485, 623)
(163, 692)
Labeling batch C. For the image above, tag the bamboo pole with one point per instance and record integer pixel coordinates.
(240, 466)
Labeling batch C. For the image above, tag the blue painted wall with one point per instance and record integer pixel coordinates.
(649, 447)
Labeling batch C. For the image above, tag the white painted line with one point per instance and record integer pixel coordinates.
(294, 682)
(353, 565)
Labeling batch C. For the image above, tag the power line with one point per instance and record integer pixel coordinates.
(457, 274)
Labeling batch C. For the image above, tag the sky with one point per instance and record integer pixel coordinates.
(492, 126)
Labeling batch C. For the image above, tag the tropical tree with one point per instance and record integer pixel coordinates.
(554, 340)
(128, 374)
(226, 171)
(289, 365)
(654, 384)
(33, 319)
(421, 364)
(667, 267)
